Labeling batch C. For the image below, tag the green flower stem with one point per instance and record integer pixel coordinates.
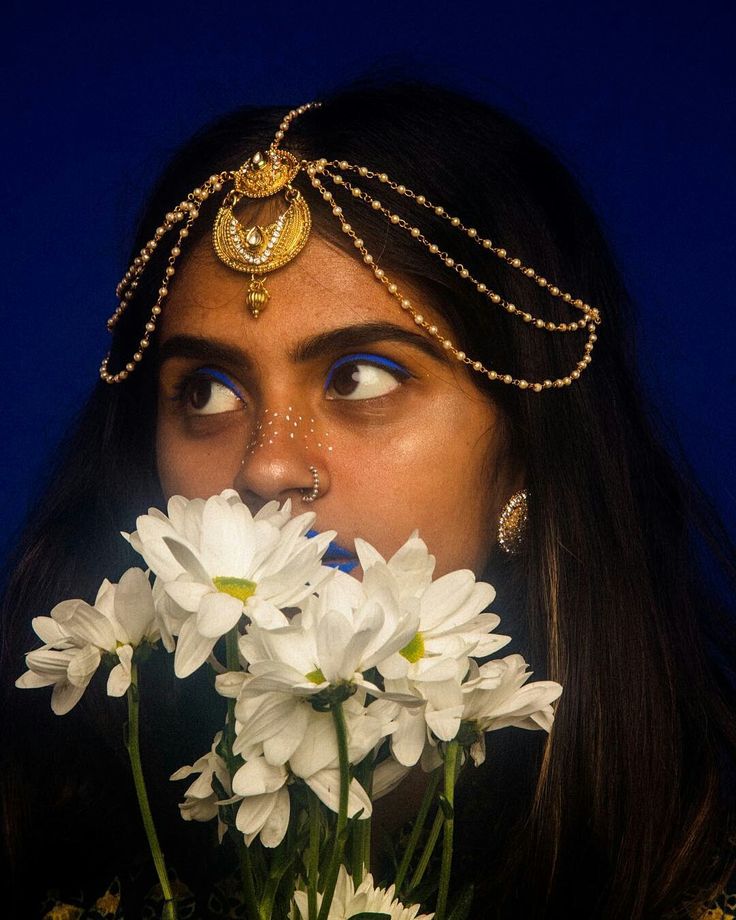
(452, 758)
(246, 869)
(249, 891)
(342, 815)
(427, 851)
(418, 827)
(361, 861)
(134, 752)
(233, 664)
(313, 866)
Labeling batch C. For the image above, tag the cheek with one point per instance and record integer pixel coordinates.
(440, 486)
(196, 468)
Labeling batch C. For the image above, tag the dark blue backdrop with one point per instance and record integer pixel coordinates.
(637, 98)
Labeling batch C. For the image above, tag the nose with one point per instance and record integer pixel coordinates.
(282, 461)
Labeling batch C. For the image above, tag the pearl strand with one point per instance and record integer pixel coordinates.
(591, 313)
(319, 167)
(188, 211)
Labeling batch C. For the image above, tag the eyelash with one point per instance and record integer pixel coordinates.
(204, 373)
(361, 358)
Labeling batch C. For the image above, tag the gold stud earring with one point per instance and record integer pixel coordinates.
(512, 523)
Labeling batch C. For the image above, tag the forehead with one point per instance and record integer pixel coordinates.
(321, 289)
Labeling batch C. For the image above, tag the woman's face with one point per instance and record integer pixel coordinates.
(335, 376)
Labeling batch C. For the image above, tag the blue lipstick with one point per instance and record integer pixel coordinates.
(337, 557)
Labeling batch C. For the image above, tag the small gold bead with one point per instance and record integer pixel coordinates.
(356, 192)
(523, 384)
(554, 291)
(477, 366)
(376, 205)
(362, 171)
(539, 323)
(379, 273)
(447, 344)
(487, 244)
(460, 355)
(432, 330)
(137, 357)
(405, 304)
(455, 221)
(464, 273)
(421, 199)
(501, 253)
(482, 288)
(418, 319)
(542, 282)
(449, 262)
(550, 327)
(368, 259)
(401, 189)
(537, 387)
(382, 177)
(357, 243)
(527, 317)
(343, 164)
(507, 378)
(567, 298)
(156, 310)
(472, 232)
(394, 218)
(515, 262)
(415, 231)
(434, 248)
(392, 289)
(495, 298)
(529, 272)
(439, 211)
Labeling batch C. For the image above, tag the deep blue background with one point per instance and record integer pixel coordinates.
(638, 99)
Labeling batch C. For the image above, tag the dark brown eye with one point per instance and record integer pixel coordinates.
(364, 379)
(203, 394)
(346, 379)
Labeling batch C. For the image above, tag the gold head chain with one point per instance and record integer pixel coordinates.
(260, 249)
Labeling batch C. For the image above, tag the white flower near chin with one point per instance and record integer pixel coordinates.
(337, 637)
(496, 695)
(217, 561)
(77, 635)
(201, 800)
(349, 901)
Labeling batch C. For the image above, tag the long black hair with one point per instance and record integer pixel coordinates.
(628, 811)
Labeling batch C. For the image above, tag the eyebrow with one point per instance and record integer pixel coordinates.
(341, 339)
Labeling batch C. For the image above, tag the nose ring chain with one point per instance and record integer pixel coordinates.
(308, 496)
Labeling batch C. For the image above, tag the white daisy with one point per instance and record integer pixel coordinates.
(217, 560)
(78, 634)
(349, 901)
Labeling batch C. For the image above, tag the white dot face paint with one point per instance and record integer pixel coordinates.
(295, 426)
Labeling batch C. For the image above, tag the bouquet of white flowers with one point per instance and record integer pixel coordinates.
(337, 689)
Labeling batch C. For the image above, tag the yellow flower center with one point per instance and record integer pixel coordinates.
(414, 650)
(316, 676)
(239, 588)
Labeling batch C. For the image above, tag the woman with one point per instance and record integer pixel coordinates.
(628, 811)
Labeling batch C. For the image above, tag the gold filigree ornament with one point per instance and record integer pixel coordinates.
(262, 248)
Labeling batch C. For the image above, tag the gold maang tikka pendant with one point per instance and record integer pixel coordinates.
(258, 250)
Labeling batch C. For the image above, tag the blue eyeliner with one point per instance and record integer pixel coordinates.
(375, 360)
(214, 374)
